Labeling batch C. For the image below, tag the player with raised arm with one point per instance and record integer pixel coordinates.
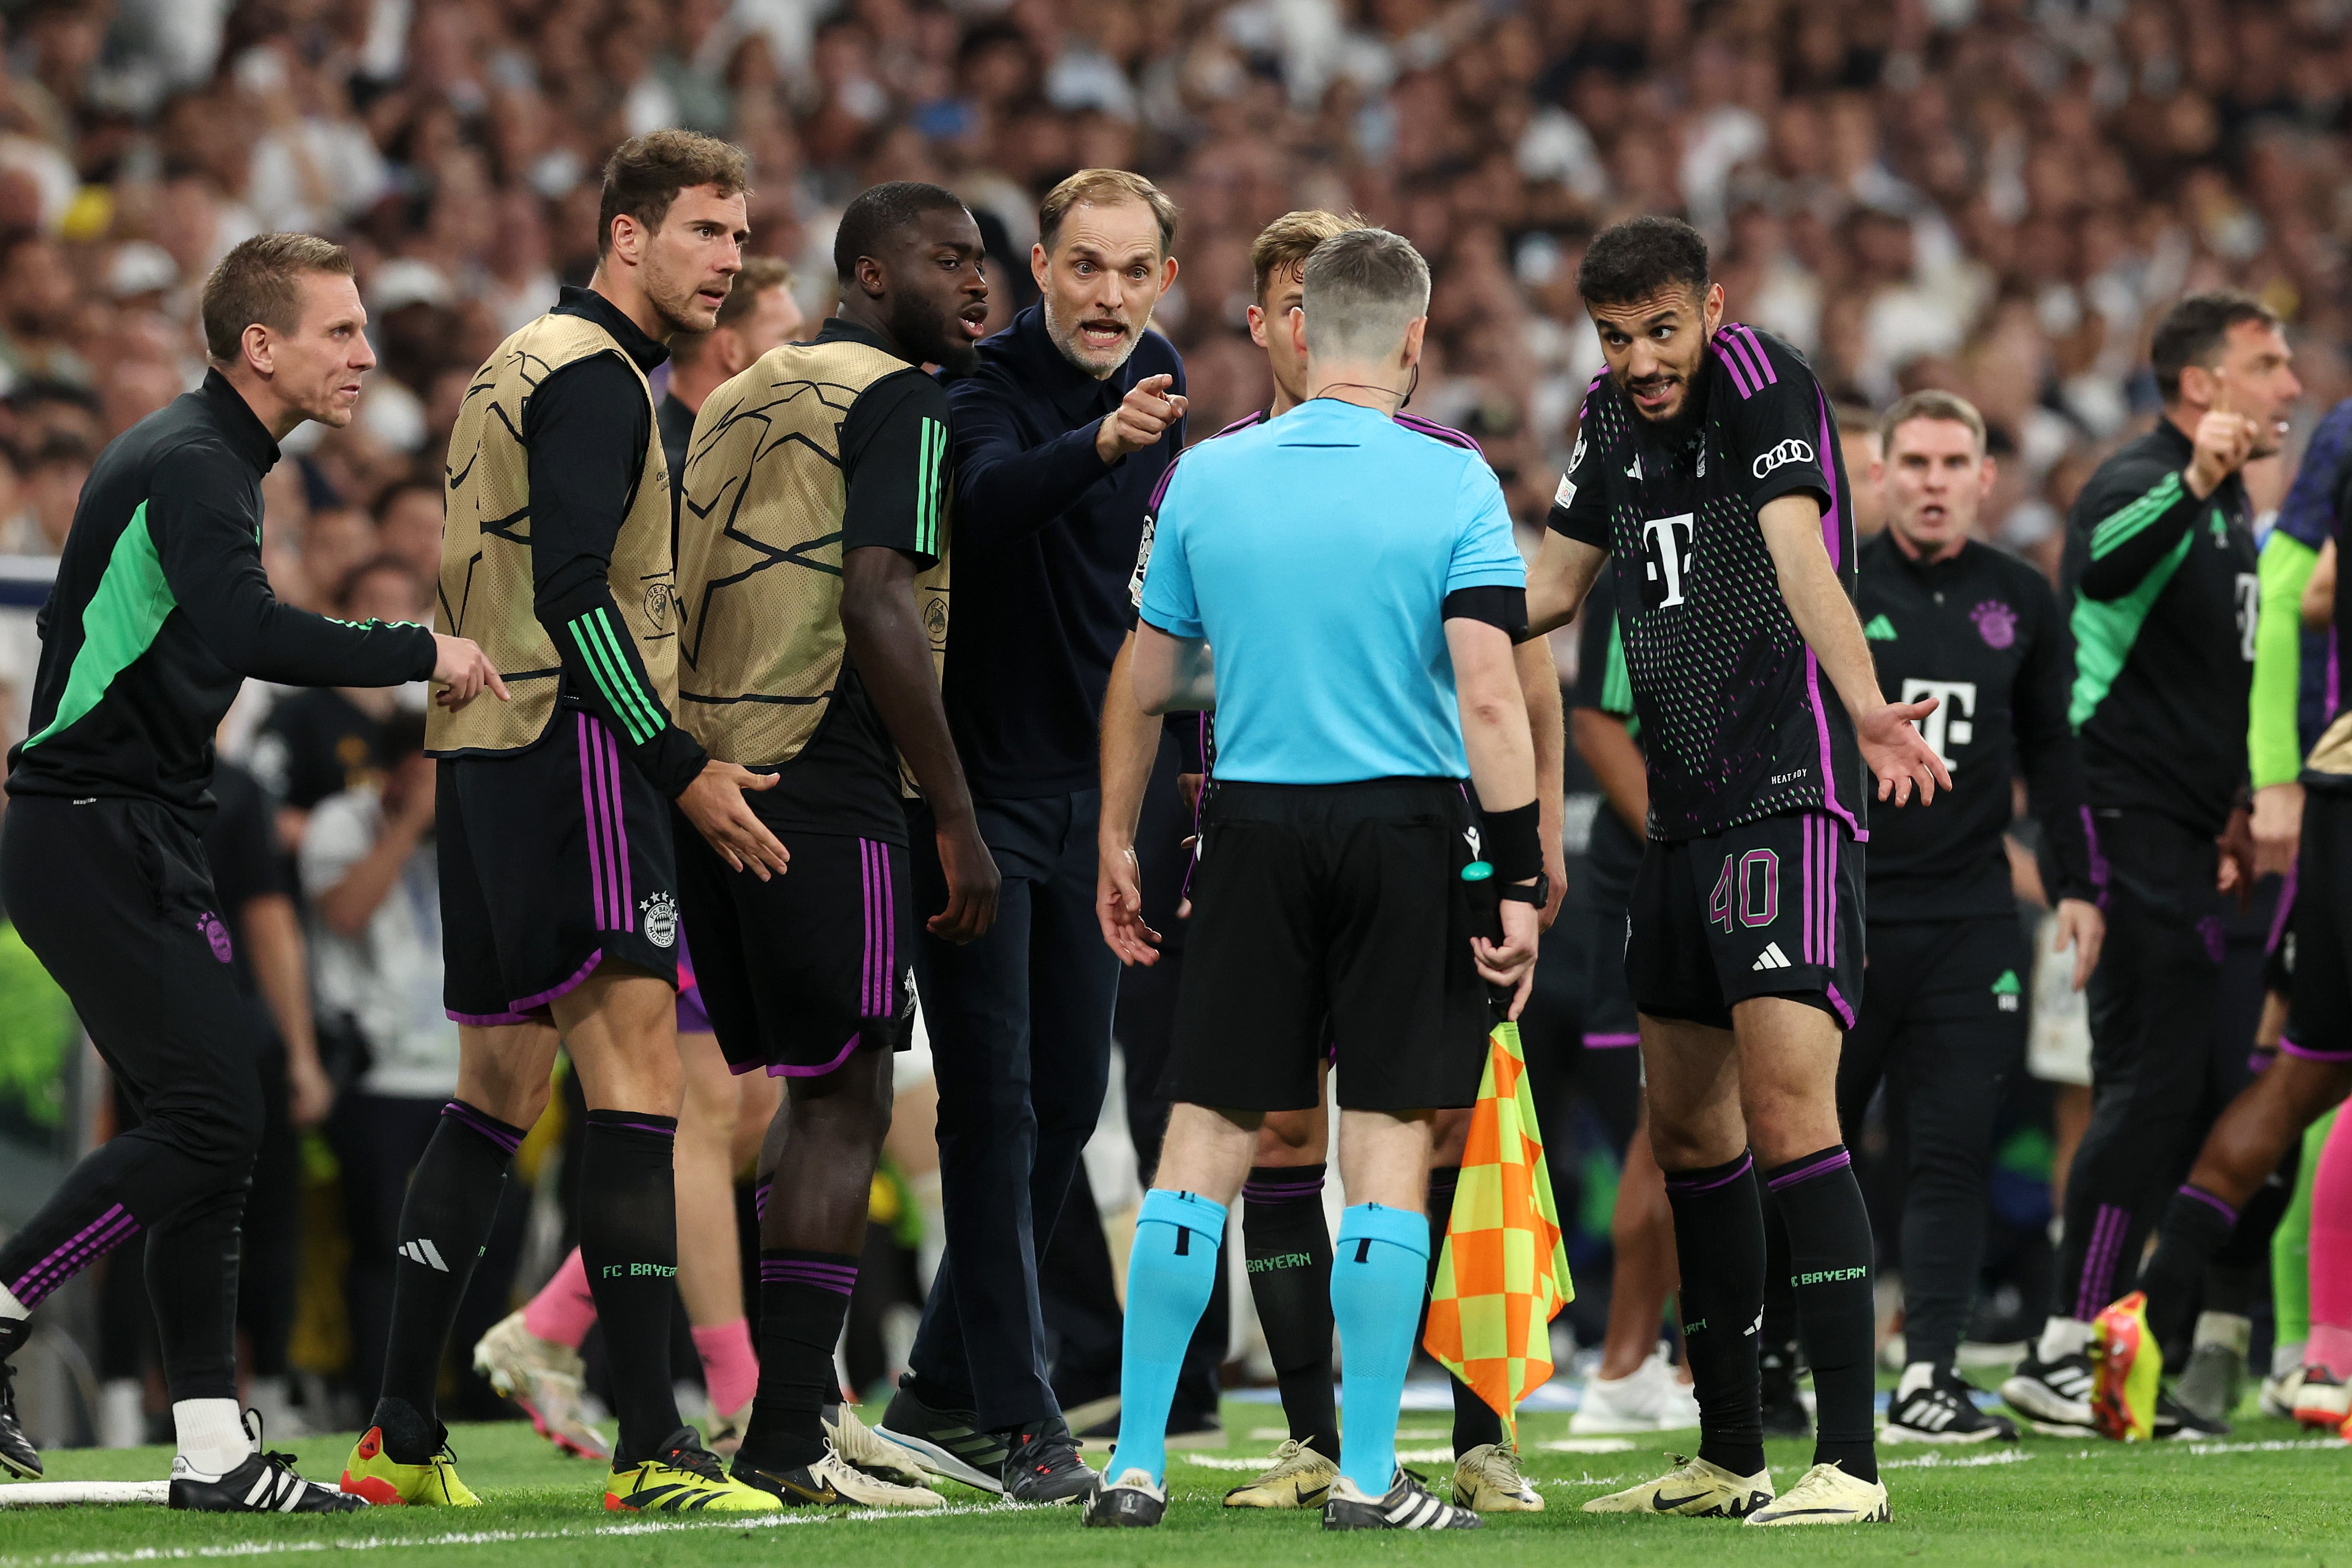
(160, 613)
(1705, 464)
(559, 889)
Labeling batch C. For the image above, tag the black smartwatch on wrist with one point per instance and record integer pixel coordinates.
(1539, 894)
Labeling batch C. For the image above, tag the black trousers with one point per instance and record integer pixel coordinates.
(2161, 1067)
(115, 899)
(1019, 1026)
(1942, 1025)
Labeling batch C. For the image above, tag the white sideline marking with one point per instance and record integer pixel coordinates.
(1588, 1445)
(1219, 1462)
(1939, 1462)
(40, 1494)
(500, 1537)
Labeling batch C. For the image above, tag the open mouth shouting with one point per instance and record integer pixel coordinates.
(1103, 334)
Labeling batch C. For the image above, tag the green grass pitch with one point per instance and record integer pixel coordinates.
(2267, 1495)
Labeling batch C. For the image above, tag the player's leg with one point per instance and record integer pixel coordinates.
(1965, 1038)
(2291, 1277)
(1634, 1390)
(2326, 1398)
(710, 1261)
(115, 900)
(1699, 1137)
(1288, 1247)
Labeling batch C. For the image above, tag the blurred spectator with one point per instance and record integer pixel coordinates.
(322, 739)
(47, 492)
(760, 314)
(368, 872)
(335, 540)
(408, 524)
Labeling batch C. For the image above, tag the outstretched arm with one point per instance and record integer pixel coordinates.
(1890, 740)
(1563, 573)
(1548, 727)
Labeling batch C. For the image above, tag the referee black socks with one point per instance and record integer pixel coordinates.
(628, 1241)
(1719, 1242)
(1829, 1266)
(1290, 1254)
(452, 1199)
(803, 1301)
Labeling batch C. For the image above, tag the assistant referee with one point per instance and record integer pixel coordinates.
(1359, 586)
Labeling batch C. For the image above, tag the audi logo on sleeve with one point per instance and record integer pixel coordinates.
(1792, 451)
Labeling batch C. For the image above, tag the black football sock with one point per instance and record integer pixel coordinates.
(1828, 1265)
(628, 1241)
(444, 1223)
(1719, 1243)
(803, 1301)
(1474, 1421)
(1777, 1336)
(2197, 1226)
(1289, 1255)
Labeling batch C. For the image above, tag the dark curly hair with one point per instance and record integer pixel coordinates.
(1634, 259)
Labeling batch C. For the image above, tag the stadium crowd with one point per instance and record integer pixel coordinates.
(1990, 197)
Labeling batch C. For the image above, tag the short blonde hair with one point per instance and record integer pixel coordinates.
(1105, 187)
(1363, 289)
(261, 280)
(1931, 404)
(1285, 243)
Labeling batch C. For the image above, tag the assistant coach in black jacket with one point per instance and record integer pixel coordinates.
(160, 613)
(1943, 1018)
(1059, 439)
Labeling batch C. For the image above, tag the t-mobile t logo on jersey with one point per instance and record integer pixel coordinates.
(1666, 556)
(1952, 723)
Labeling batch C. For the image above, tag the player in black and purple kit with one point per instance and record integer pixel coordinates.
(1707, 464)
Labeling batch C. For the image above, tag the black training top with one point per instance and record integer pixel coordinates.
(1603, 684)
(2165, 596)
(1736, 721)
(1046, 539)
(1980, 633)
(676, 421)
(161, 610)
(844, 780)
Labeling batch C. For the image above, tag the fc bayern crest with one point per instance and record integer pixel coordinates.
(1996, 622)
(660, 915)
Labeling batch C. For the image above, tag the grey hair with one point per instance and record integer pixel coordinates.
(1362, 289)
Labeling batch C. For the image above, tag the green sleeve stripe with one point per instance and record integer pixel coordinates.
(2123, 525)
(2273, 739)
(923, 486)
(642, 706)
(1616, 680)
(928, 487)
(2105, 631)
(591, 634)
(117, 625)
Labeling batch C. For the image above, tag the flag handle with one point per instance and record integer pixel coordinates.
(1486, 920)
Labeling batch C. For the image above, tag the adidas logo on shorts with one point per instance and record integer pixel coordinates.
(424, 1252)
(1771, 958)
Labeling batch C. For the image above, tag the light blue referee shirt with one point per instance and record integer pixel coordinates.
(1314, 552)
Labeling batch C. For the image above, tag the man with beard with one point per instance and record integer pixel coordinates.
(559, 906)
(1059, 439)
(813, 543)
(2160, 553)
(1705, 463)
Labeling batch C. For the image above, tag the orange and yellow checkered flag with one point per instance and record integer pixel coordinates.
(1503, 1273)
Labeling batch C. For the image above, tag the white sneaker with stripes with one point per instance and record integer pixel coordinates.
(1931, 1405)
(1407, 1506)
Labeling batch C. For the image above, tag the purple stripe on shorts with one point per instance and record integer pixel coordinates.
(476, 1122)
(1806, 924)
(2099, 857)
(525, 1004)
(591, 817)
(486, 1020)
(1821, 1167)
(1844, 1008)
(889, 935)
(1611, 1042)
(628, 908)
(1828, 900)
(2224, 1210)
(784, 1069)
(2294, 1048)
(103, 1234)
(1683, 1184)
(866, 929)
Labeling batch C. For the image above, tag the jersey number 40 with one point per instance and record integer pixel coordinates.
(1748, 886)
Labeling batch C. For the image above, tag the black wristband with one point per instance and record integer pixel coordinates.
(1514, 842)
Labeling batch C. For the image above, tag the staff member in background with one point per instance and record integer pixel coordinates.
(2160, 553)
(1359, 586)
(1943, 1018)
(1060, 438)
(760, 314)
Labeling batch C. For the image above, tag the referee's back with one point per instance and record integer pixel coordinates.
(1316, 553)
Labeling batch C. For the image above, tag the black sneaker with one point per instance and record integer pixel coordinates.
(265, 1483)
(2175, 1420)
(1940, 1411)
(1131, 1502)
(947, 1443)
(1784, 1412)
(1407, 1506)
(1042, 1465)
(2054, 1396)
(19, 1458)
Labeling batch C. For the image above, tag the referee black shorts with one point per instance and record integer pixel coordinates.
(552, 861)
(800, 970)
(1770, 908)
(1343, 901)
